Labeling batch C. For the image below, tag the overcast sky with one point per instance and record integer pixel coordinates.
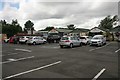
(84, 14)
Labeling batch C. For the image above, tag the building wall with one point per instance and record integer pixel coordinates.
(83, 33)
(29, 32)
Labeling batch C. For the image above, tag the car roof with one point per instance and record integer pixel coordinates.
(84, 36)
(98, 36)
(68, 36)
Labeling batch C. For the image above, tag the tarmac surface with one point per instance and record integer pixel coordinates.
(50, 61)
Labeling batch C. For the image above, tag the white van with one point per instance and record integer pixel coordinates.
(98, 40)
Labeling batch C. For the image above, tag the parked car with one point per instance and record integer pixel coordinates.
(24, 39)
(98, 40)
(11, 40)
(6, 40)
(70, 41)
(53, 37)
(14, 39)
(36, 40)
(85, 39)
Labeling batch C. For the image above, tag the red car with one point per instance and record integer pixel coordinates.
(11, 40)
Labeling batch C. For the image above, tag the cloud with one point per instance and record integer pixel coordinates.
(43, 14)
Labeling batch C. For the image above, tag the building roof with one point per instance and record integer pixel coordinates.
(64, 30)
(97, 29)
(78, 30)
(41, 31)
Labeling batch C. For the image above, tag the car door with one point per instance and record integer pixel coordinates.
(40, 39)
(77, 41)
(104, 40)
(37, 40)
(72, 40)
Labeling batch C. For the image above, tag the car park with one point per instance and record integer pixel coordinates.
(98, 40)
(23, 39)
(36, 40)
(85, 39)
(70, 41)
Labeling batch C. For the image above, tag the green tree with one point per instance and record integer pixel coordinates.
(71, 26)
(10, 29)
(48, 28)
(107, 24)
(29, 26)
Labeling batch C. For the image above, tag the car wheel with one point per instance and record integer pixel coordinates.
(87, 43)
(61, 46)
(71, 45)
(44, 42)
(4, 41)
(100, 44)
(105, 43)
(8, 41)
(25, 41)
(90, 44)
(34, 43)
(80, 44)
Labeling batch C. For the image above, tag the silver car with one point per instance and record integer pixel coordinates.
(98, 40)
(69, 41)
(36, 40)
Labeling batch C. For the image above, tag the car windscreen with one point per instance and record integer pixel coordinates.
(96, 38)
(64, 38)
(53, 34)
(82, 37)
(30, 37)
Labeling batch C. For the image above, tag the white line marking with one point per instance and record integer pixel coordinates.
(33, 70)
(9, 54)
(23, 50)
(117, 50)
(11, 59)
(99, 47)
(17, 60)
(99, 74)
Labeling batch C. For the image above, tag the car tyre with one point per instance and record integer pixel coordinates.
(25, 41)
(34, 43)
(61, 46)
(80, 44)
(99, 45)
(44, 42)
(87, 43)
(71, 45)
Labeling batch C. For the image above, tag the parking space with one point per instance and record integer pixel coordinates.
(50, 61)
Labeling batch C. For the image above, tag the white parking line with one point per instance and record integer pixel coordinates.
(98, 47)
(117, 50)
(23, 50)
(9, 54)
(98, 75)
(32, 70)
(17, 60)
